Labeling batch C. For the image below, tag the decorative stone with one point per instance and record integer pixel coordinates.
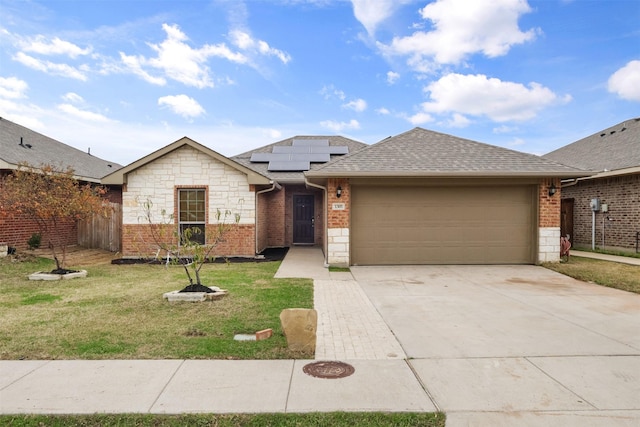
(264, 334)
(177, 296)
(4, 249)
(50, 276)
(299, 326)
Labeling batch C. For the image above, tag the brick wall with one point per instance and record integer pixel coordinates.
(16, 229)
(622, 196)
(138, 240)
(338, 220)
(276, 218)
(549, 221)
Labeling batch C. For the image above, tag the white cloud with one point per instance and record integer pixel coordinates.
(392, 77)
(358, 105)
(74, 98)
(340, 126)
(49, 67)
(12, 88)
(370, 13)
(383, 111)
(458, 121)
(420, 118)
(179, 61)
(82, 114)
(244, 41)
(183, 105)
(54, 47)
(272, 133)
(516, 141)
(462, 28)
(330, 91)
(478, 95)
(505, 129)
(626, 81)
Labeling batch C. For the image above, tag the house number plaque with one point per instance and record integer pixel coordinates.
(338, 206)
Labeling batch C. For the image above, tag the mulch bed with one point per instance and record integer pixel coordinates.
(268, 255)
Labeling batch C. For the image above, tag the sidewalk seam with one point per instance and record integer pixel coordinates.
(165, 387)
(424, 387)
(286, 403)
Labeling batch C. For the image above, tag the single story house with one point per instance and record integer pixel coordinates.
(603, 210)
(19, 145)
(421, 197)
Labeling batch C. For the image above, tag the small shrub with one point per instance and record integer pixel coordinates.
(34, 241)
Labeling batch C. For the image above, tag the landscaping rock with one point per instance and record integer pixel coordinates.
(177, 296)
(40, 275)
(299, 326)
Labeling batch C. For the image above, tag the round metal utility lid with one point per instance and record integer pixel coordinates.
(328, 369)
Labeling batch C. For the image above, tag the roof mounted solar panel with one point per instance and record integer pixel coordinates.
(289, 166)
(261, 157)
(307, 142)
(291, 149)
(334, 149)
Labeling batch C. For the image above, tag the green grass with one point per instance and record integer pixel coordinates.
(614, 275)
(118, 312)
(339, 269)
(333, 419)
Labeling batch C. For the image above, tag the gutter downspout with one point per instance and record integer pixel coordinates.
(274, 185)
(326, 215)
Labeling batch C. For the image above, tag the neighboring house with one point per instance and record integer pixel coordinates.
(190, 182)
(424, 197)
(19, 145)
(420, 197)
(614, 154)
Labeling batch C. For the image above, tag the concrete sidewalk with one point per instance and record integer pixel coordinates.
(204, 386)
(605, 257)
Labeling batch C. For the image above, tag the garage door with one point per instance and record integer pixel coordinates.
(442, 225)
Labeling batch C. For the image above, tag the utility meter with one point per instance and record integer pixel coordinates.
(595, 205)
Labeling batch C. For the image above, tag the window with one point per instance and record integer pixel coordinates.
(192, 213)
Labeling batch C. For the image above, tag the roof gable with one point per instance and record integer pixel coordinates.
(424, 153)
(19, 144)
(617, 147)
(120, 176)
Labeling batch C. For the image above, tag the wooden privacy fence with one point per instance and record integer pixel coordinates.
(102, 233)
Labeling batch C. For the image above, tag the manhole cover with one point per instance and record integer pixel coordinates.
(328, 369)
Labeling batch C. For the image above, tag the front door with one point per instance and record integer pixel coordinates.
(303, 221)
(566, 218)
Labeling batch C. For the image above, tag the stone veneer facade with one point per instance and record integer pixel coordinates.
(186, 167)
(338, 223)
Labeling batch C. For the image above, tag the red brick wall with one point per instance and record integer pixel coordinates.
(549, 206)
(338, 219)
(137, 240)
(15, 230)
(622, 195)
(275, 218)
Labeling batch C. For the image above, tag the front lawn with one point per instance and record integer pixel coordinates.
(612, 274)
(118, 312)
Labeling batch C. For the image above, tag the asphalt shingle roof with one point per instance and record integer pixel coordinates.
(291, 177)
(617, 147)
(421, 152)
(45, 150)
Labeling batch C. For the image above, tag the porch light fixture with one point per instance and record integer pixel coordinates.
(338, 192)
(552, 190)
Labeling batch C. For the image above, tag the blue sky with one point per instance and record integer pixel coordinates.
(125, 78)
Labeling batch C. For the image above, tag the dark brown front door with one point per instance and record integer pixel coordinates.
(303, 221)
(566, 218)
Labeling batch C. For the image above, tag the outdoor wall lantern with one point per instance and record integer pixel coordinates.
(338, 192)
(552, 190)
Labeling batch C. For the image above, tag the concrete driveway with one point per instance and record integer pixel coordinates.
(514, 345)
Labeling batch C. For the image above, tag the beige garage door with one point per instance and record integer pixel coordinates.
(442, 225)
